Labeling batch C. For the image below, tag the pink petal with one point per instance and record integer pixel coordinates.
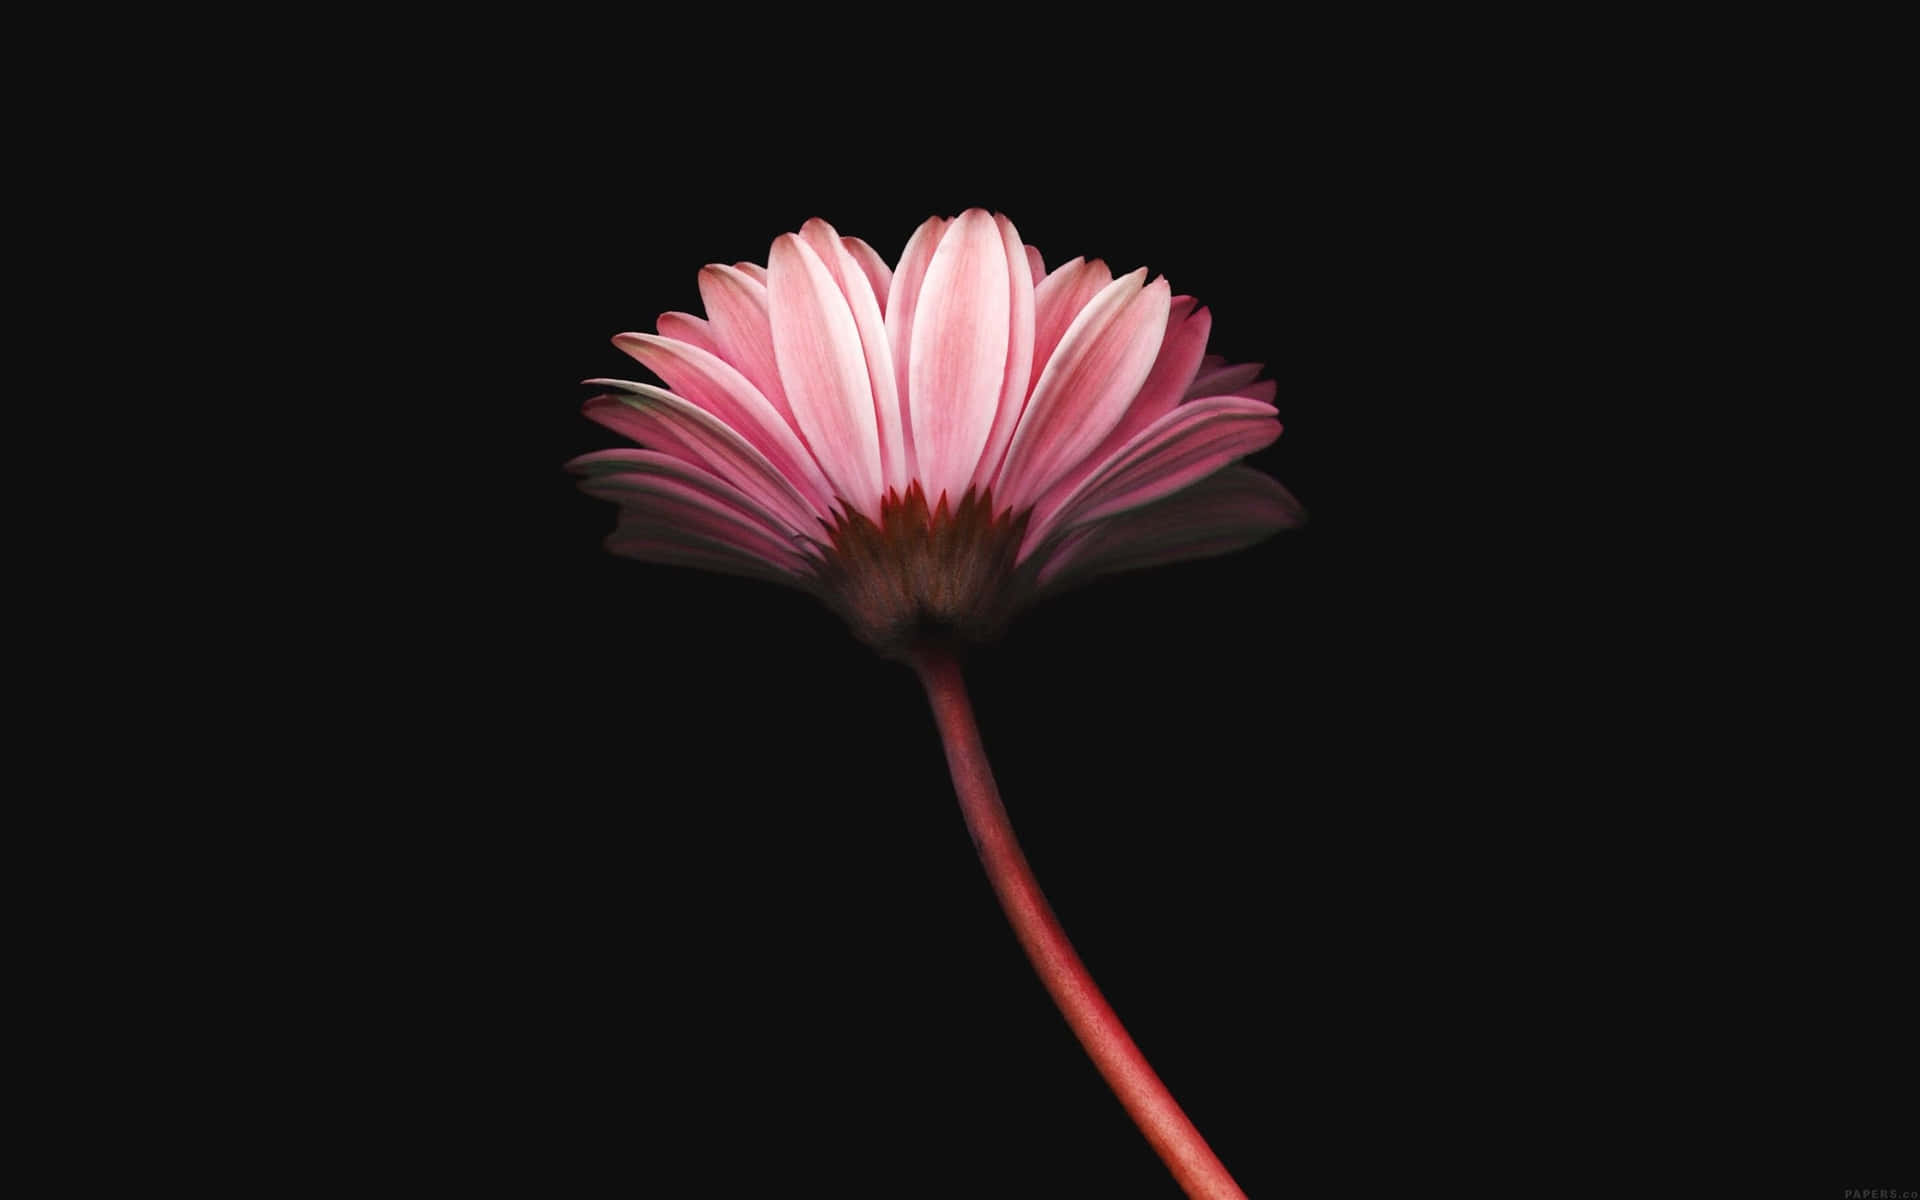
(752, 270)
(903, 299)
(685, 327)
(665, 421)
(681, 496)
(1058, 299)
(737, 313)
(825, 242)
(856, 288)
(1228, 510)
(649, 540)
(1264, 391)
(1013, 384)
(712, 384)
(824, 367)
(878, 274)
(958, 358)
(1180, 354)
(1092, 377)
(1222, 378)
(1187, 444)
(1036, 264)
(1188, 327)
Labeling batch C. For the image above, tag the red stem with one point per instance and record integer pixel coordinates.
(1126, 1070)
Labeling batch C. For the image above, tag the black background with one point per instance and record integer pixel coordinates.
(1386, 837)
(716, 874)
(732, 880)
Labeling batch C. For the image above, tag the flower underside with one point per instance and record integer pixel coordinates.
(920, 573)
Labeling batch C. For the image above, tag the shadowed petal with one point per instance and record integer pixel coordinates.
(958, 354)
(686, 498)
(824, 367)
(1263, 391)
(1221, 378)
(1093, 375)
(642, 536)
(1187, 444)
(1227, 511)
(715, 386)
(1188, 327)
(660, 419)
(1180, 352)
(1036, 264)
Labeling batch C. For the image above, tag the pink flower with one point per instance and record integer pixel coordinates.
(936, 445)
(929, 448)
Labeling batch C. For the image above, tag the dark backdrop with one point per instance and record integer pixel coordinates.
(653, 872)
(703, 861)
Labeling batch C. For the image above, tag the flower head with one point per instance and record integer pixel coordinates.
(935, 445)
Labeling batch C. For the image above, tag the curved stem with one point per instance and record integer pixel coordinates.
(1126, 1070)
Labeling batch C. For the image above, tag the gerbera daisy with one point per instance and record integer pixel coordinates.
(928, 448)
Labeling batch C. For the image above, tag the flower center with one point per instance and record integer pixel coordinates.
(922, 573)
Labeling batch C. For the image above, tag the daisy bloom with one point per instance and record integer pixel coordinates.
(928, 448)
